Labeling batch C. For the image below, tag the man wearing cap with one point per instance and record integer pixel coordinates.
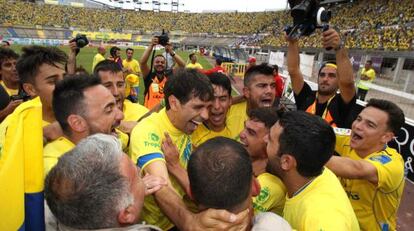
(251, 62)
(338, 109)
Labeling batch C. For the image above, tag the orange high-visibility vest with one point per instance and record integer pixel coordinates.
(155, 92)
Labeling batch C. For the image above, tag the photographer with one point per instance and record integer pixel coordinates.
(154, 81)
(336, 108)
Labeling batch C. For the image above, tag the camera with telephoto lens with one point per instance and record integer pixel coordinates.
(163, 39)
(307, 17)
(81, 40)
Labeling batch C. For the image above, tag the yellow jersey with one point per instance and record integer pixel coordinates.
(54, 150)
(132, 65)
(9, 90)
(375, 206)
(322, 205)
(194, 66)
(203, 133)
(236, 116)
(272, 195)
(133, 111)
(145, 148)
(370, 74)
(97, 59)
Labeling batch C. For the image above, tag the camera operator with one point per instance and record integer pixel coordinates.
(337, 109)
(154, 81)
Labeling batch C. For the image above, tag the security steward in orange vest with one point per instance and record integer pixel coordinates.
(154, 81)
(338, 109)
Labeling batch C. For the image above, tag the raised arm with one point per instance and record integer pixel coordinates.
(353, 169)
(295, 74)
(177, 58)
(145, 56)
(345, 72)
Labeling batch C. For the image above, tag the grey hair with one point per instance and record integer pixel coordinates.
(85, 190)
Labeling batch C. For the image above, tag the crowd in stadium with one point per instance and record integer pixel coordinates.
(367, 24)
(193, 157)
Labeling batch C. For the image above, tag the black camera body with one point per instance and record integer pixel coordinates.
(81, 40)
(163, 39)
(307, 17)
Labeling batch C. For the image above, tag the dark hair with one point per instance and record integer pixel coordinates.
(6, 42)
(276, 68)
(309, 139)
(129, 49)
(106, 65)
(159, 55)
(35, 56)
(81, 70)
(220, 173)
(263, 69)
(68, 97)
(191, 55)
(221, 80)
(266, 115)
(113, 51)
(219, 61)
(396, 117)
(186, 84)
(7, 53)
(369, 61)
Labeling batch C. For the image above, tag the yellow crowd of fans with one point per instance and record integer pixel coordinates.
(370, 24)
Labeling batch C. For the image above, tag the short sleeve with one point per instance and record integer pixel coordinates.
(390, 170)
(145, 144)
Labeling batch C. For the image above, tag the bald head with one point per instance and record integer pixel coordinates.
(101, 50)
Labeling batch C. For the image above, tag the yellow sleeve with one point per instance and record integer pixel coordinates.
(272, 195)
(145, 144)
(390, 170)
(326, 221)
(370, 74)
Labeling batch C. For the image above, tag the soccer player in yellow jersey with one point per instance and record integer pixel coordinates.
(372, 173)
(39, 69)
(82, 107)
(259, 91)
(193, 62)
(216, 124)
(130, 64)
(272, 191)
(298, 147)
(112, 78)
(188, 95)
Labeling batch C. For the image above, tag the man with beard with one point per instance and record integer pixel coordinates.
(298, 147)
(333, 107)
(259, 91)
(372, 173)
(154, 81)
(82, 106)
(9, 83)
